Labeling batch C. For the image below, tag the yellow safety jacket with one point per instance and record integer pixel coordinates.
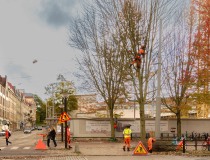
(127, 132)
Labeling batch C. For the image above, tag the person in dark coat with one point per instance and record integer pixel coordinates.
(51, 136)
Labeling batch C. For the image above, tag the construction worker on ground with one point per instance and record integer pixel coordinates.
(150, 142)
(127, 137)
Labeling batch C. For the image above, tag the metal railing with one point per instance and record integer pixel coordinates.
(182, 145)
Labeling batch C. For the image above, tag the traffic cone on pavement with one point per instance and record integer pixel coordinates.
(40, 145)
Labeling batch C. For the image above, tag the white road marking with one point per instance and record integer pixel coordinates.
(14, 148)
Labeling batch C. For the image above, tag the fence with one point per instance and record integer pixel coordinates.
(169, 142)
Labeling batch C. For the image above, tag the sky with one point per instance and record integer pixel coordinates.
(36, 30)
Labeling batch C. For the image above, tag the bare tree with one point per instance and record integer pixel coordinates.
(139, 26)
(178, 66)
(109, 35)
(100, 64)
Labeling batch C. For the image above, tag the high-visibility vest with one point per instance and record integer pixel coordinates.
(141, 51)
(127, 132)
(150, 141)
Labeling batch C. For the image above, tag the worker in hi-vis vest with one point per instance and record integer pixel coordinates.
(150, 142)
(127, 137)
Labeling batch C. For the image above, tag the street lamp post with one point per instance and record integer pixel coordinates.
(61, 107)
(65, 110)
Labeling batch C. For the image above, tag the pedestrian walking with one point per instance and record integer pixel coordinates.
(48, 137)
(127, 137)
(7, 135)
(68, 136)
(150, 142)
(51, 136)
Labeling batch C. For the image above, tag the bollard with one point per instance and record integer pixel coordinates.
(196, 143)
(77, 147)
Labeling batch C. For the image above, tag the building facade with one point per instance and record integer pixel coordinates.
(16, 106)
(89, 107)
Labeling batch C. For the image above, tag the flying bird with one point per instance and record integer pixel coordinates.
(34, 61)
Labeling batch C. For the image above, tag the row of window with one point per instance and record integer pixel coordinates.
(6, 115)
(2, 90)
(2, 101)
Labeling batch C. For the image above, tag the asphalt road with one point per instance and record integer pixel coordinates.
(22, 144)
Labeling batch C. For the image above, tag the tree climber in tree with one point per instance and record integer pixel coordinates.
(137, 60)
(141, 51)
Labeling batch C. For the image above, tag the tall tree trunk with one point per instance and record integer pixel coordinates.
(142, 122)
(178, 115)
(112, 124)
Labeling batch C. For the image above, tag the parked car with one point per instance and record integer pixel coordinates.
(39, 128)
(33, 128)
(27, 130)
(2, 133)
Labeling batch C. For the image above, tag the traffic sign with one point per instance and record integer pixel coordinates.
(60, 119)
(63, 117)
(140, 149)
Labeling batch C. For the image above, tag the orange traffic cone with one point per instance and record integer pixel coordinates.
(40, 145)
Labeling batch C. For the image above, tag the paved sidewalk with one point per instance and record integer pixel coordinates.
(94, 148)
(91, 149)
(109, 151)
(104, 148)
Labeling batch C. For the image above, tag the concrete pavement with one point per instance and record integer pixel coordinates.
(102, 150)
(105, 150)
